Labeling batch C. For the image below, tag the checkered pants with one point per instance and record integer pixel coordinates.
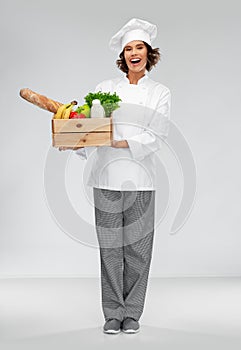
(125, 228)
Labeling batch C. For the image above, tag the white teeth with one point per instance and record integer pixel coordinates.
(135, 60)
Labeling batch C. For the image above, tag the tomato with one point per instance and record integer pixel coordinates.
(73, 115)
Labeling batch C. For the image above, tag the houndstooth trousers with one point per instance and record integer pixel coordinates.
(125, 228)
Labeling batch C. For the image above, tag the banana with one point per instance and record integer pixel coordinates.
(58, 114)
(66, 112)
(62, 110)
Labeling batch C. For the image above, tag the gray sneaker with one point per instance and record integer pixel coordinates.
(112, 326)
(129, 325)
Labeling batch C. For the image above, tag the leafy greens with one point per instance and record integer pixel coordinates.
(110, 102)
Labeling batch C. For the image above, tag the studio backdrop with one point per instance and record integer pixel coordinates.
(60, 50)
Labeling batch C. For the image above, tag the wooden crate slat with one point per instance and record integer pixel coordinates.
(81, 139)
(81, 125)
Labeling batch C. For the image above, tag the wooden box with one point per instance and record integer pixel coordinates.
(81, 132)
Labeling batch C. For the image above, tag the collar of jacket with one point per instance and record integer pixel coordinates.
(140, 81)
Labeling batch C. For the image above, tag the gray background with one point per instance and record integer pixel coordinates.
(60, 49)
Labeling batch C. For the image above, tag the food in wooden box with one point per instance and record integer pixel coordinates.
(77, 131)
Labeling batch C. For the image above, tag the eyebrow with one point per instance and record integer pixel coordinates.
(129, 46)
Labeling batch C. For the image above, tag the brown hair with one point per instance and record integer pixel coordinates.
(153, 56)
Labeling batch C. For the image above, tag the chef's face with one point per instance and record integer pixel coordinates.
(135, 54)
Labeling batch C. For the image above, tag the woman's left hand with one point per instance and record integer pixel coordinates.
(62, 148)
(119, 144)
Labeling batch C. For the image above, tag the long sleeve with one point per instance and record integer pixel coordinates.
(151, 139)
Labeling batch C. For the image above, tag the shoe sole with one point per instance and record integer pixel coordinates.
(112, 331)
(131, 331)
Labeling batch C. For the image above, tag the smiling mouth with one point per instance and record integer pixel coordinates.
(135, 60)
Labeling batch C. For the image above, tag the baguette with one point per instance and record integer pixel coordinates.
(40, 100)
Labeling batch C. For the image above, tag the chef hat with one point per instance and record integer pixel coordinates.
(135, 29)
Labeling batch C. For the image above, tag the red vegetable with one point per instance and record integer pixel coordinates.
(81, 115)
(76, 115)
(72, 115)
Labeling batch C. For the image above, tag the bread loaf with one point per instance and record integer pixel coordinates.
(40, 100)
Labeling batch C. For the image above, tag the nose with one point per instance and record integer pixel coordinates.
(134, 51)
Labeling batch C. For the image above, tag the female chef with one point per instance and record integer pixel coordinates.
(123, 177)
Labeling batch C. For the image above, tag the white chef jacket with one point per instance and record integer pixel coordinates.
(142, 120)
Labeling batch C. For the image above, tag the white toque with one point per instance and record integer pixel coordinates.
(135, 29)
